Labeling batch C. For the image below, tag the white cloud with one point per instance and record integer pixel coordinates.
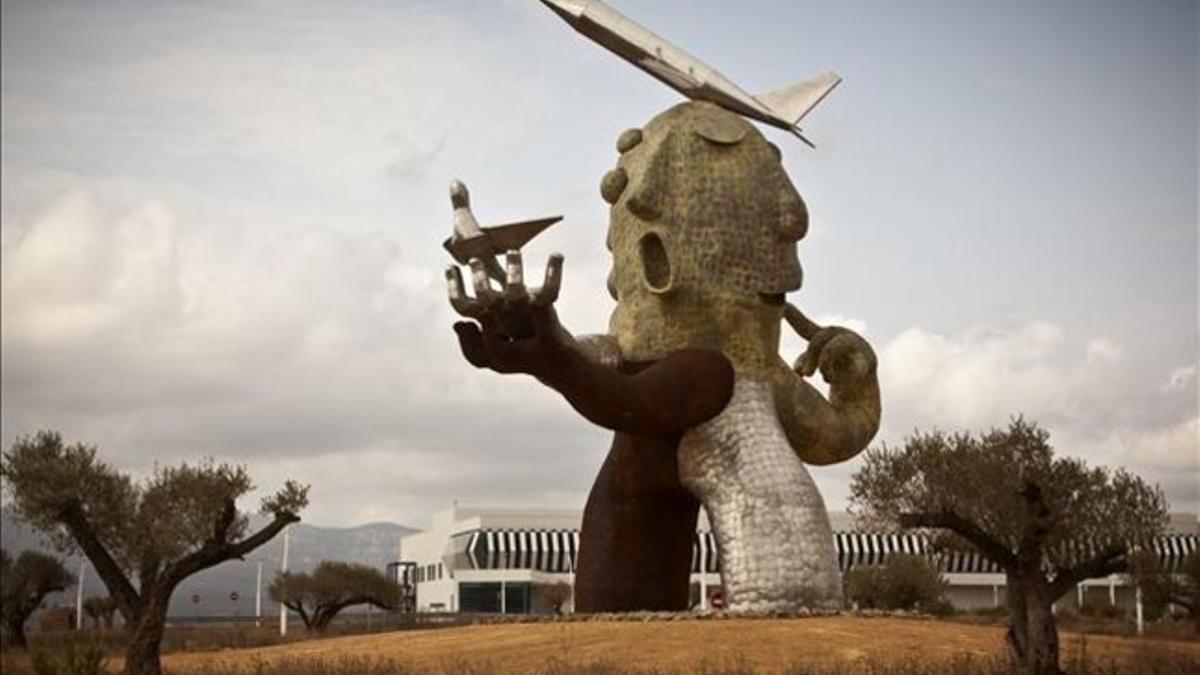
(160, 339)
(1094, 406)
(221, 236)
(1181, 378)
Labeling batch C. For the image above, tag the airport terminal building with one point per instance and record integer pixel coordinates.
(515, 561)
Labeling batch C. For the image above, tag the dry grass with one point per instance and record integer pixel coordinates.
(783, 646)
(831, 645)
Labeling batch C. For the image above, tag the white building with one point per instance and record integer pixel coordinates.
(514, 561)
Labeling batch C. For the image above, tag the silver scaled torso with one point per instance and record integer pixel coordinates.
(772, 530)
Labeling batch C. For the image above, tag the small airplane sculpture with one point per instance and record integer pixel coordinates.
(782, 108)
(469, 240)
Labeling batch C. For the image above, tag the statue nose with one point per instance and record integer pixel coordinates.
(649, 189)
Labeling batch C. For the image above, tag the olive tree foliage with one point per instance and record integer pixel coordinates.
(142, 537)
(1162, 587)
(903, 581)
(100, 610)
(333, 586)
(1048, 522)
(557, 595)
(24, 584)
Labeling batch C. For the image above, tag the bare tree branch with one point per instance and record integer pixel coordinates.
(1111, 560)
(213, 553)
(76, 521)
(988, 545)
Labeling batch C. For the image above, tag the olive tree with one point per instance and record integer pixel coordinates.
(1162, 587)
(1048, 522)
(100, 610)
(24, 583)
(557, 595)
(333, 586)
(142, 537)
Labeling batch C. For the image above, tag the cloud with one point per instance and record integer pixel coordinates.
(319, 354)
(1095, 405)
(221, 235)
(1181, 378)
(161, 339)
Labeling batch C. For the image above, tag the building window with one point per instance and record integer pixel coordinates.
(485, 597)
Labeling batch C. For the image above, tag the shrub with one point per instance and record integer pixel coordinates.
(76, 656)
(1100, 610)
(909, 582)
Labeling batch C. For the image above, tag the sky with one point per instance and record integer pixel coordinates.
(222, 226)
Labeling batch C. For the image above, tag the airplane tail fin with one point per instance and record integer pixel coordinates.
(795, 101)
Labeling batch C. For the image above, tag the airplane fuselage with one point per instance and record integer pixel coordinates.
(659, 58)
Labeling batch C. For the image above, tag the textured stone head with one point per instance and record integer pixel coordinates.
(703, 233)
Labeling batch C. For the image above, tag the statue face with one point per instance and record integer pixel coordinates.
(703, 219)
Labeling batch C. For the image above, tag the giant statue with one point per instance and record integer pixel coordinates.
(703, 231)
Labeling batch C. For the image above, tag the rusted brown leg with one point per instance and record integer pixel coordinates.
(638, 526)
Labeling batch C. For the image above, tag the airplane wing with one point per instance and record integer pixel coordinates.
(515, 235)
(793, 102)
(496, 240)
(666, 74)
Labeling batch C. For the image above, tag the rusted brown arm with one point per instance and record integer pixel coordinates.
(518, 331)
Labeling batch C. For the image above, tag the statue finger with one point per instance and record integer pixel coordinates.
(548, 293)
(514, 286)
(470, 340)
(800, 323)
(484, 295)
(811, 359)
(459, 300)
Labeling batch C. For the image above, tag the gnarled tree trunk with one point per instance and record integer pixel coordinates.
(145, 638)
(1032, 633)
(15, 627)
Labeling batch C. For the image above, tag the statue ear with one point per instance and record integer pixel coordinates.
(628, 140)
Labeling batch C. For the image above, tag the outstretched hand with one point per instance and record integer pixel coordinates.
(515, 330)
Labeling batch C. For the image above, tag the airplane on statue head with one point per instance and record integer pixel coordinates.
(782, 108)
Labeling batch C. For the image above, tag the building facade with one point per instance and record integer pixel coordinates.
(519, 561)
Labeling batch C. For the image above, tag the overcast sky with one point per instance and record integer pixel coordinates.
(222, 226)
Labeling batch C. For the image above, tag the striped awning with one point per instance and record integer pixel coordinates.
(558, 550)
(862, 548)
(542, 550)
(1173, 549)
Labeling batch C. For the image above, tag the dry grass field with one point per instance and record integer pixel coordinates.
(829, 645)
(747, 645)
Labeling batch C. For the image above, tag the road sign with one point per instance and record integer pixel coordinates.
(716, 599)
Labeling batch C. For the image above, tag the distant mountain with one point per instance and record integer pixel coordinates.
(374, 544)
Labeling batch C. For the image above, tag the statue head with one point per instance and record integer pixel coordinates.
(703, 231)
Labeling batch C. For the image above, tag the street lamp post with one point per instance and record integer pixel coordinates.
(79, 598)
(258, 597)
(283, 569)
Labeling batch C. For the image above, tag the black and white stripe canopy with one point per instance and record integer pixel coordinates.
(543, 550)
(557, 550)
